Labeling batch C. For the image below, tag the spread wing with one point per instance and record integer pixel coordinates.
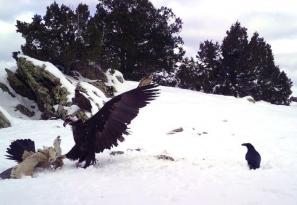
(110, 123)
(17, 148)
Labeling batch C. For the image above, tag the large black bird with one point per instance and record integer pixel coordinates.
(104, 129)
(252, 157)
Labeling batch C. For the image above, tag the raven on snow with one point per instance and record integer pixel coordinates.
(104, 129)
(252, 157)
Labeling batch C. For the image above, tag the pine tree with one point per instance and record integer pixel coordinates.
(267, 82)
(210, 61)
(234, 52)
(246, 68)
(62, 36)
(190, 75)
(283, 89)
(260, 61)
(139, 37)
(60, 33)
(129, 35)
(34, 34)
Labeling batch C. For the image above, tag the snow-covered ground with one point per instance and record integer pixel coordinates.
(209, 166)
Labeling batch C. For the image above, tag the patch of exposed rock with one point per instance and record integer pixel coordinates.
(18, 85)
(88, 70)
(107, 90)
(165, 157)
(24, 110)
(4, 122)
(4, 88)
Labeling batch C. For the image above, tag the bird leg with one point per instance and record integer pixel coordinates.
(90, 159)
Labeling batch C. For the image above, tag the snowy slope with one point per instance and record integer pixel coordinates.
(209, 166)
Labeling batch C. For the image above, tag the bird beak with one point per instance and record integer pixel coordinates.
(65, 123)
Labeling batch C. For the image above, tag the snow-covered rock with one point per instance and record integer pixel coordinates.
(53, 91)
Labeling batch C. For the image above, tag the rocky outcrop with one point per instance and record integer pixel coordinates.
(36, 83)
(24, 110)
(4, 122)
(120, 77)
(81, 101)
(18, 85)
(107, 90)
(145, 81)
(4, 88)
(180, 129)
(165, 157)
(52, 91)
(89, 70)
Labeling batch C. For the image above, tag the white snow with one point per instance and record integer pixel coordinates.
(209, 169)
(113, 78)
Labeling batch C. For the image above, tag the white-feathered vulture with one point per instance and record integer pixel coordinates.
(104, 129)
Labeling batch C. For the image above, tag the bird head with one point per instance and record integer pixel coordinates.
(70, 119)
(248, 145)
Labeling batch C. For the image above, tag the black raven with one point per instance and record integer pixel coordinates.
(104, 129)
(252, 156)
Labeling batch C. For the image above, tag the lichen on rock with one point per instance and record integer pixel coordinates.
(18, 85)
(36, 83)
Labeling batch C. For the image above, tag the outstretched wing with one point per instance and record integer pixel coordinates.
(16, 149)
(110, 123)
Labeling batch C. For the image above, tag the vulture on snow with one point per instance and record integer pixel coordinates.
(23, 152)
(104, 129)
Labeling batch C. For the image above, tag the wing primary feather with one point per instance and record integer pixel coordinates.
(16, 149)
